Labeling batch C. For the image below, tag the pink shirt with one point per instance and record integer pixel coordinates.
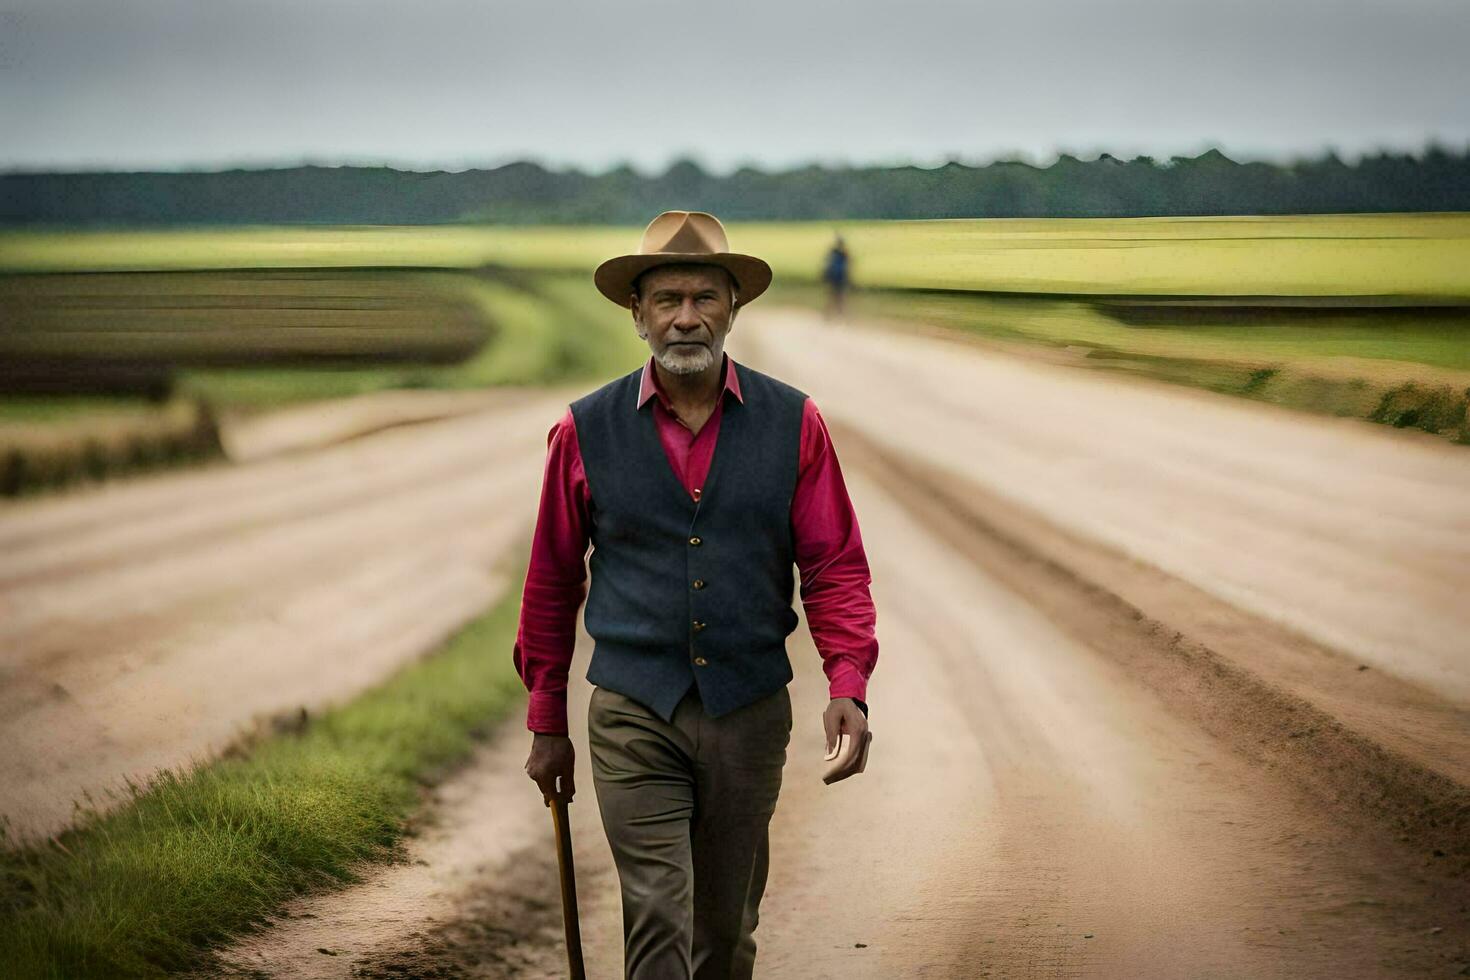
(829, 553)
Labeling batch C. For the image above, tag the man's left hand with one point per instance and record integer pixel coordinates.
(843, 715)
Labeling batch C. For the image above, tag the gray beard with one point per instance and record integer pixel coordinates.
(687, 360)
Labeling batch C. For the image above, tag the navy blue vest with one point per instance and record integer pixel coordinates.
(691, 592)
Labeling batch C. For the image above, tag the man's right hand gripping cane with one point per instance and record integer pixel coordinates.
(552, 758)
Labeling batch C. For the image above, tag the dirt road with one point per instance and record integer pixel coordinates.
(1030, 811)
(1357, 535)
(147, 622)
(1120, 725)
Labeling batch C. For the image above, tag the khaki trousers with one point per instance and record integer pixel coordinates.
(686, 805)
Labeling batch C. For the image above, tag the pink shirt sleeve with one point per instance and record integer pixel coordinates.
(555, 581)
(834, 568)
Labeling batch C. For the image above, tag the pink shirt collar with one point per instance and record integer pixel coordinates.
(649, 386)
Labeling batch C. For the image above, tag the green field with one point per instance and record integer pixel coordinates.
(543, 330)
(1418, 255)
(130, 332)
(263, 335)
(111, 373)
(1362, 315)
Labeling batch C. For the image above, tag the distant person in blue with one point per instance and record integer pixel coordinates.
(835, 275)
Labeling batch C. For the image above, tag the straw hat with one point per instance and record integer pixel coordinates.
(682, 236)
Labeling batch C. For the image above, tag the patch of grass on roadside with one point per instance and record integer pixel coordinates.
(198, 857)
(605, 342)
(565, 331)
(1434, 339)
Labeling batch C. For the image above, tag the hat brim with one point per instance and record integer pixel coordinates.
(614, 278)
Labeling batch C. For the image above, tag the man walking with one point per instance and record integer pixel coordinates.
(699, 483)
(835, 275)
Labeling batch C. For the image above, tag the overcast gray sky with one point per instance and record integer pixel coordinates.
(450, 83)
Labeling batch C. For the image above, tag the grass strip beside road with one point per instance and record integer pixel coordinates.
(1407, 368)
(198, 857)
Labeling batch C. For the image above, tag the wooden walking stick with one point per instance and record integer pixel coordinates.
(568, 887)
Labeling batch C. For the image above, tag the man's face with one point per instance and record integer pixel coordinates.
(685, 313)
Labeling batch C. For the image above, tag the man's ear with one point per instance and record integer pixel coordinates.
(637, 317)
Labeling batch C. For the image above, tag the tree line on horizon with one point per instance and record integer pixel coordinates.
(527, 193)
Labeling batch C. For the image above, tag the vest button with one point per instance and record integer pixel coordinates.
(701, 661)
(699, 583)
(698, 625)
(696, 541)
